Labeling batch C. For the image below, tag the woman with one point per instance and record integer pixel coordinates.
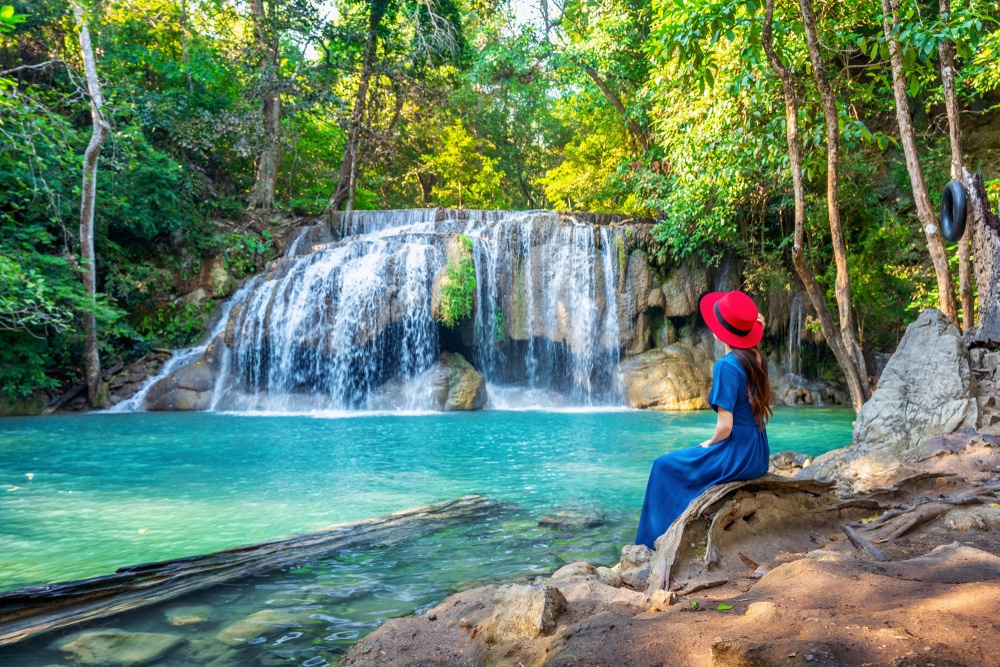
(741, 395)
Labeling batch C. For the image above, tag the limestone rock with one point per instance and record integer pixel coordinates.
(635, 565)
(578, 570)
(665, 379)
(656, 299)
(683, 289)
(187, 388)
(793, 389)
(117, 648)
(457, 386)
(925, 389)
(788, 464)
(638, 283)
(609, 577)
(526, 611)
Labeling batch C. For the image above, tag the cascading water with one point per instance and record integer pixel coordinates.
(349, 311)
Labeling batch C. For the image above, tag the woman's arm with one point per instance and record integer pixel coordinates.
(723, 427)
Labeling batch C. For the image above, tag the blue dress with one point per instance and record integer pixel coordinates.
(679, 477)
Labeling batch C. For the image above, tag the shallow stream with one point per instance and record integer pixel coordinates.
(83, 495)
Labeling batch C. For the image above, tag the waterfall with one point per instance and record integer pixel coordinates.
(348, 312)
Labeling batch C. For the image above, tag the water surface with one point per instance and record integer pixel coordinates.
(109, 490)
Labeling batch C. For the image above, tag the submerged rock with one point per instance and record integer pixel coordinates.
(117, 648)
(457, 386)
(263, 622)
(571, 520)
(665, 379)
(180, 616)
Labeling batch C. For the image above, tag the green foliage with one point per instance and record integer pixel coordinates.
(458, 292)
(180, 324)
(667, 110)
(246, 252)
(466, 177)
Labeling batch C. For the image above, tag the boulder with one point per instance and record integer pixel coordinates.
(578, 570)
(665, 379)
(456, 385)
(186, 389)
(522, 611)
(635, 564)
(117, 648)
(683, 289)
(926, 389)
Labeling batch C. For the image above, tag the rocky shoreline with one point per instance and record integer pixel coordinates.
(883, 553)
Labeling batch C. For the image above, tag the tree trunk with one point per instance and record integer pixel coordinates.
(349, 164)
(856, 383)
(633, 127)
(935, 242)
(266, 182)
(985, 228)
(92, 359)
(848, 329)
(947, 53)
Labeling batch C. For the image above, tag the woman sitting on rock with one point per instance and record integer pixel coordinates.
(741, 395)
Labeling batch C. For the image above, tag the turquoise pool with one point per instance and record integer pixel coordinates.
(83, 495)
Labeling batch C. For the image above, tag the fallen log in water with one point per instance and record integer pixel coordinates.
(30, 611)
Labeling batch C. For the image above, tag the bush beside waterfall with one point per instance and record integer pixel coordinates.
(459, 288)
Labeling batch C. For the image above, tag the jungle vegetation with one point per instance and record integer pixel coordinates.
(226, 119)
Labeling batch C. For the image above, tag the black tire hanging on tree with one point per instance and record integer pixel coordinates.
(954, 206)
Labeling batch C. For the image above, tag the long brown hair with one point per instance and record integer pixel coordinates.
(758, 385)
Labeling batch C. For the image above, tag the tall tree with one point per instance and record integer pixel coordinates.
(907, 136)
(88, 194)
(346, 185)
(268, 47)
(853, 371)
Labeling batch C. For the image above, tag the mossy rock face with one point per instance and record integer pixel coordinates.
(117, 648)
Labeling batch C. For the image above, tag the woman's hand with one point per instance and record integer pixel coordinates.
(707, 443)
(760, 318)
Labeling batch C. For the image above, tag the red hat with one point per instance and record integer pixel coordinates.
(732, 316)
